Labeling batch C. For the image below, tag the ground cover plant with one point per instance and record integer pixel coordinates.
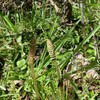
(49, 50)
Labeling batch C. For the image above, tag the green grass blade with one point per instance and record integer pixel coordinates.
(61, 42)
(80, 45)
(64, 39)
(10, 24)
(53, 28)
(73, 85)
(3, 23)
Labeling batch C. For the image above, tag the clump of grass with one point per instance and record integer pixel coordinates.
(53, 57)
(31, 61)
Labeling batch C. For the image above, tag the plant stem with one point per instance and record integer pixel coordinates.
(35, 83)
(60, 80)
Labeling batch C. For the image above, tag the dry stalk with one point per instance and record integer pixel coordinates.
(53, 57)
(31, 57)
(55, 6)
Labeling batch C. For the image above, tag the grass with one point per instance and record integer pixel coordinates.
(15, 46)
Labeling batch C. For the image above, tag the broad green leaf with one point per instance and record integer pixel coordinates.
(19, 39)
(21, 63)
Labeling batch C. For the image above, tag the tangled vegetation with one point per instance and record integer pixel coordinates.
(49, 50)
